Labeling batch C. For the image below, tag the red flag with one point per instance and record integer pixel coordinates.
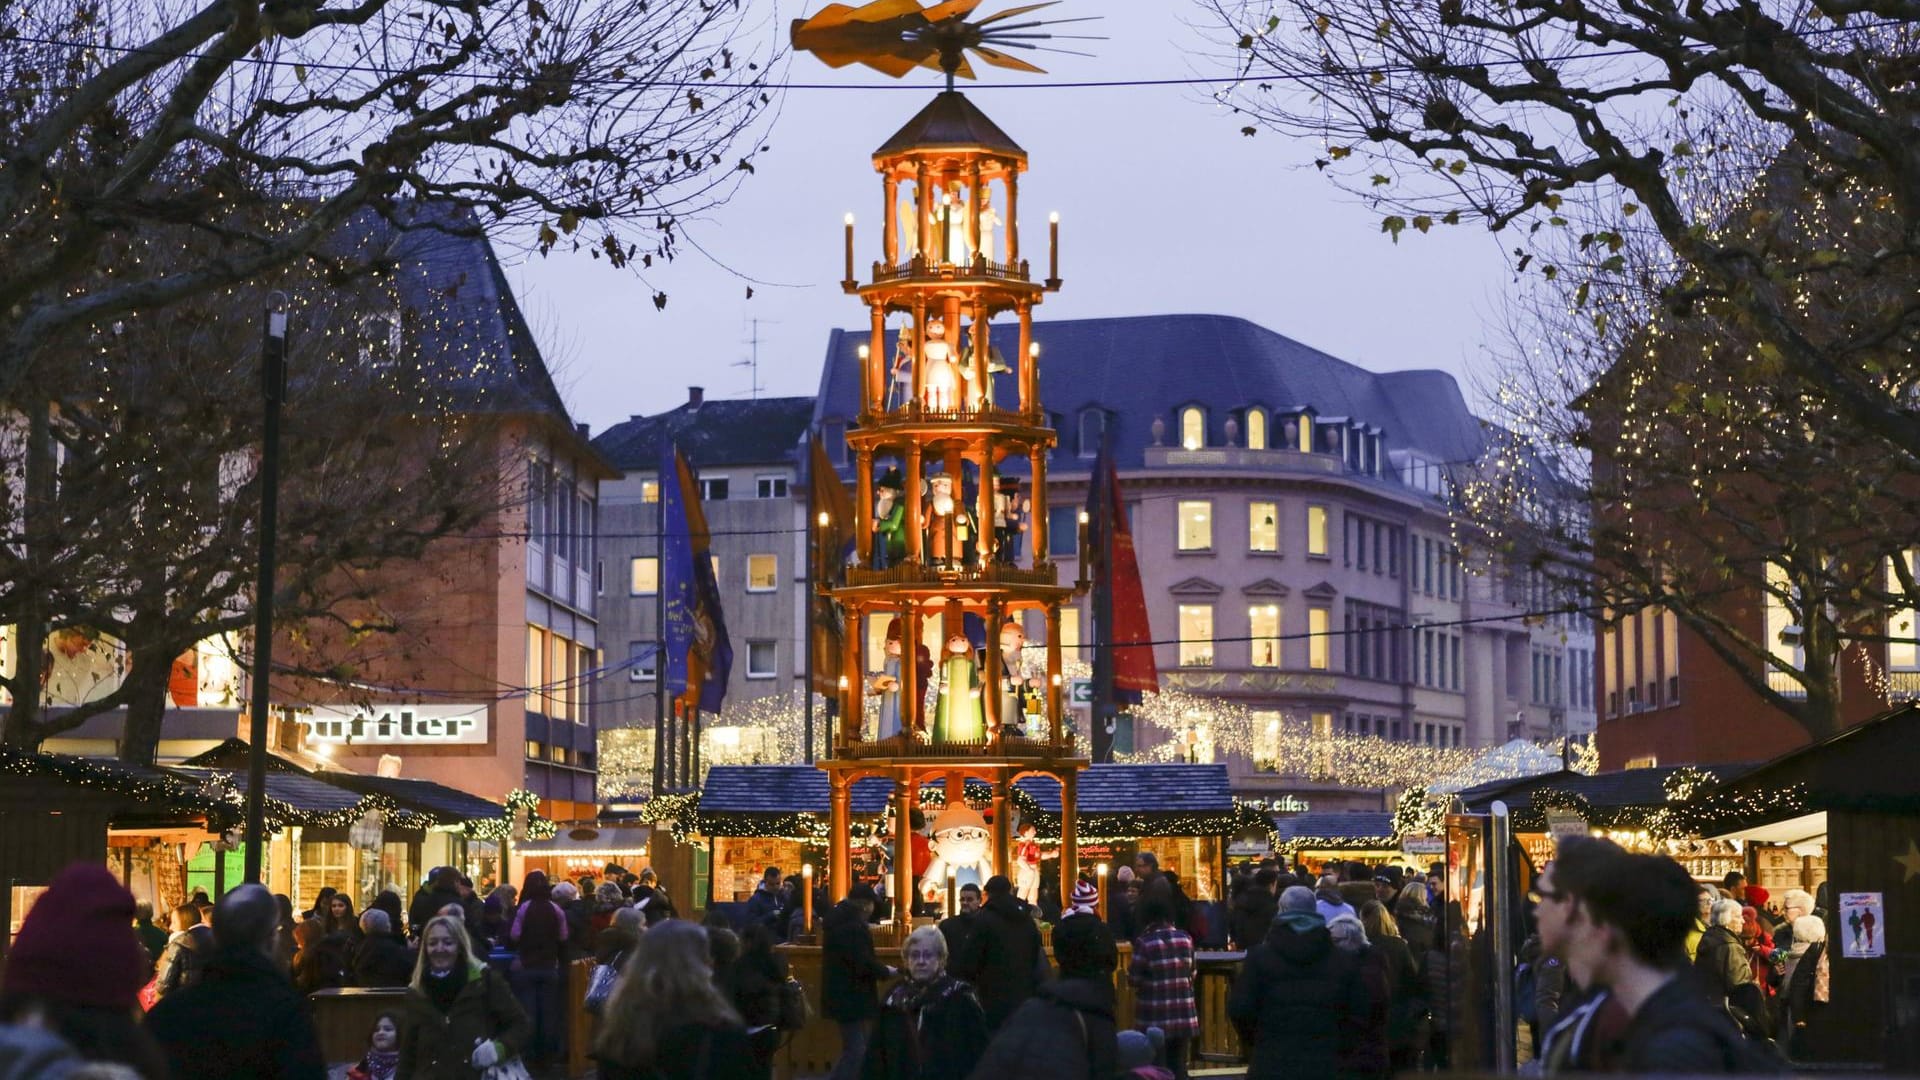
(1117, 571)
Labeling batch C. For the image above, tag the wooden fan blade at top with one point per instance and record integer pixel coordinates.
(950, 9)
(964, 71)
(1000, 59)
(880, 10)
(1011, 12)
(888, 64)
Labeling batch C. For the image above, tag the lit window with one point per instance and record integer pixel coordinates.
(1317, 531)
(535, 750)
(644, 576)
(1196, 525)
(1903, 625)
(1319, 645)
(1196, 635)
(649, 491)
(1263, 526)
(1070, 631)
(1193, 427)
(713, 489)
(1322, 724)
(1256, 429)
(1306, 433)
(763, 659)
(770, 487)
(560, 755)
(641, 658)
(714, 562)
(763, 572)
(537, 669)
(1784, 633)
(1263, 624)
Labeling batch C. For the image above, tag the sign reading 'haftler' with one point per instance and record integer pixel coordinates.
(398, 725)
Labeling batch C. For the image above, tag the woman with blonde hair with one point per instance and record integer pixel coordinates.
(668, 1021)
(459, 1018)
(1406, 993)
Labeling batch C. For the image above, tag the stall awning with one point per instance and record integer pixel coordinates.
(1344, 829)
(623, 840)
(1805, 829)
(447, 806)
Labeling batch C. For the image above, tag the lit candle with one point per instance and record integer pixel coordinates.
(951, 892)
(806, 895)
(849, 247)
(1082, 549)
(1100, 872)
(1053, 246)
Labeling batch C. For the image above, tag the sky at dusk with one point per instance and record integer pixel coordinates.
(1165, 207)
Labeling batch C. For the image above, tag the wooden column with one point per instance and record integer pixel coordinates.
(923, 209)
(1041, 552)
(877, 370)
(1069, 832)
(973, 210)
(985, 534)
(1002, 825)
(840, 857)
(990, 672)
(1011, 172)
(863, 505)
(1028, 375)
(911, 691)
(1054, 733)
(982, 350)
(919, 358)
(910, 491)
(950, 315)
(903, 898)
(890, 242)
(853, 703)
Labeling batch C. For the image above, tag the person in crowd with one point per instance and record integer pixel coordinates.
(283, 944)
(959, 927)
(1414, 915)
(187, 951)
(389, 902)
(1726, 969)
(442, 888)
(1299, 1003)
(341, 918)
(1804, 992)
(1161, 974)
(1733, 886)
(243, 1020)
(1183, 916)
(616, 942)
(1368, 1057)
(538, 937)
(1627, 929)
(1702, 917)
(723, 948)
(1329, 901)
(1005, 961)
(753, 986)
(460, 1017)
(931, 1026)
(320, 909)
(1757, 897)
(668, 1021)
(152, 938)
(851, 976)
(1065, 1031)
(1254, 909)
(496, 917)
(607, 899)
(1793, 904)
(579, 915)
(316, 967)
(76, 970)
(1406, 993)
(382, 1059)
(1139, 1055)
(379, 960)
(764, 906)
(1123, 895)
(651, 897)
(1757, 935)
(1146, 867)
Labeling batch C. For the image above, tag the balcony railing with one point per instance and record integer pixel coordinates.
(1785, 685)
(1008, 747)
(919, 574)
(978, 268)
(1239, 457)
(1903, 685)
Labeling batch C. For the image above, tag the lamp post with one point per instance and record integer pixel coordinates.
(273, 392)
(806, 898)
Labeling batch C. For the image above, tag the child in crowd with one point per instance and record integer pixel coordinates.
(382, 1060)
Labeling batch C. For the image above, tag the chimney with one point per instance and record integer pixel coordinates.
(581, 430)
(695, 396)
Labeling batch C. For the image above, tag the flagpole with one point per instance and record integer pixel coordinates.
(1100, 738)
(813, 541)
(660, 632)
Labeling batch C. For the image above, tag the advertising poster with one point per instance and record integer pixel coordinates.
(1863, 925)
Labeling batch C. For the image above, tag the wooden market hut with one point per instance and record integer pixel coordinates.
(1318, 837)
(1184, 814)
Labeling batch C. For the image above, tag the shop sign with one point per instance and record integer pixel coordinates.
(397, 725)
(1564, 823)
(1427, 846)
(1863, 925)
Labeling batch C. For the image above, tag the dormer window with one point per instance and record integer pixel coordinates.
(1256, 428)
(380, 340)
(1306, 433)
(1093, 430)
(1193, 427)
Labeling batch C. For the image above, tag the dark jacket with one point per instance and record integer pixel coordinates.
(612, 944)
(243, 1020)
(439, 1046)
(427, 903)
(753, 984)
(763, 907)
(1722, 961)
(382, 961)
(154, 938)
(541, 937)
(1368, 1056)
(1680, 1032)
(1406, 994)
(1004, 960)
(693, 1052)
(325, 964)
(1251, 917)
(185, 958)
(1300, 1003)
(1065, 1031)
(851, 972)
(1120, 916)
(959, 931)
(932, 1032)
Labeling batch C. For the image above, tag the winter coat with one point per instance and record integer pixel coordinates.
(1416, 927)
(325, 964)
(1251, 917)
(1678, 1032)
(539, 935)
(1299, 1003)
(851, 973)
(154, 938)
(753, 984)
(612, 944)
(243, 1020)
(1065, 1031)
(931, 1032)
(185, 958)
(1800, 1002)
(693, 1052)
(959, 931)
(426, 904)
(763, 907)
(33, 1053)
(1406, 994)
(437, 1045)
(1005, 960)
(382, 961)
(1726, 972)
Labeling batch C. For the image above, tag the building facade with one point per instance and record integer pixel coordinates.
(1293, 518)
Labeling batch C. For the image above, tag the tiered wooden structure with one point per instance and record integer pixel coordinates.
(948, 169)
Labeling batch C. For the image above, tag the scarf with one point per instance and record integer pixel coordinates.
(380, 1064)
(443, 989)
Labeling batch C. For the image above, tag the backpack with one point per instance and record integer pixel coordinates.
(795, 1009)
(1526, 1000)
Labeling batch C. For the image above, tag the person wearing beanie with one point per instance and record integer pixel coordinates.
(1066, 1029)
(1006, 960)
(243, 1019)
(1139, 1058)
(1299, 1002)
(1084, 900)
(77, 966)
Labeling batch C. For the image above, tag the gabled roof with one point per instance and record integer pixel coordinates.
(784, 789)
(1604, 791)
(146, 788)
(1141, 367)
(1139, 789)
(1341, 825)
(950, 122)
(766, 431)
(445, 805)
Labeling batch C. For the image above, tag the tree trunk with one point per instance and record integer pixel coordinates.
(149, 673)
(21, 729)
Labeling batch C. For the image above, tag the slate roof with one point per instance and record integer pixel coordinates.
(784, 789)
(304, 795)
(950, 121)
(762, 432)
(1140, 367)
(447, 806)
(1336, 824)
(1139, 789)
(1607, 790)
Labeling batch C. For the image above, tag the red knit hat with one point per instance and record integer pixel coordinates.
(78, 944)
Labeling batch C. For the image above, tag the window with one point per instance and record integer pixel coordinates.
(1256, 429)
(763, 573)
(534, 750)
(763, 659)
(537, 501)
(537, 670)
(649, 491)
(1455, 647)
(1263, 526)
(770, 487)
(1196, 525)
(642, 660)
(380, 340)
(1319, 644)
(1263, 624)
(1317, 531)
(559, 755)
(713, 489)
(1063, 532)
(1783, 628)
(643, 576)
(560, 678)
(1193, 427)
(1093, 429)
(1196, 635)
(1903, 623)
(1070, 631)
(713, 561)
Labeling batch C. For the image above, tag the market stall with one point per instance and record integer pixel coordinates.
(586, 849)
(1184, 814)
(1319, 837)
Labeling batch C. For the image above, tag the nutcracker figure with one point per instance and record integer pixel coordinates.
(889, 522)
(949, 526)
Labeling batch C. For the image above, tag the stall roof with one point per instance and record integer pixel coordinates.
(1344, 826)
(162, 789)
(591, 840)
(1607, 790)
(784, 789)
(1103, 789)
(447, 806)
(1868, 767)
